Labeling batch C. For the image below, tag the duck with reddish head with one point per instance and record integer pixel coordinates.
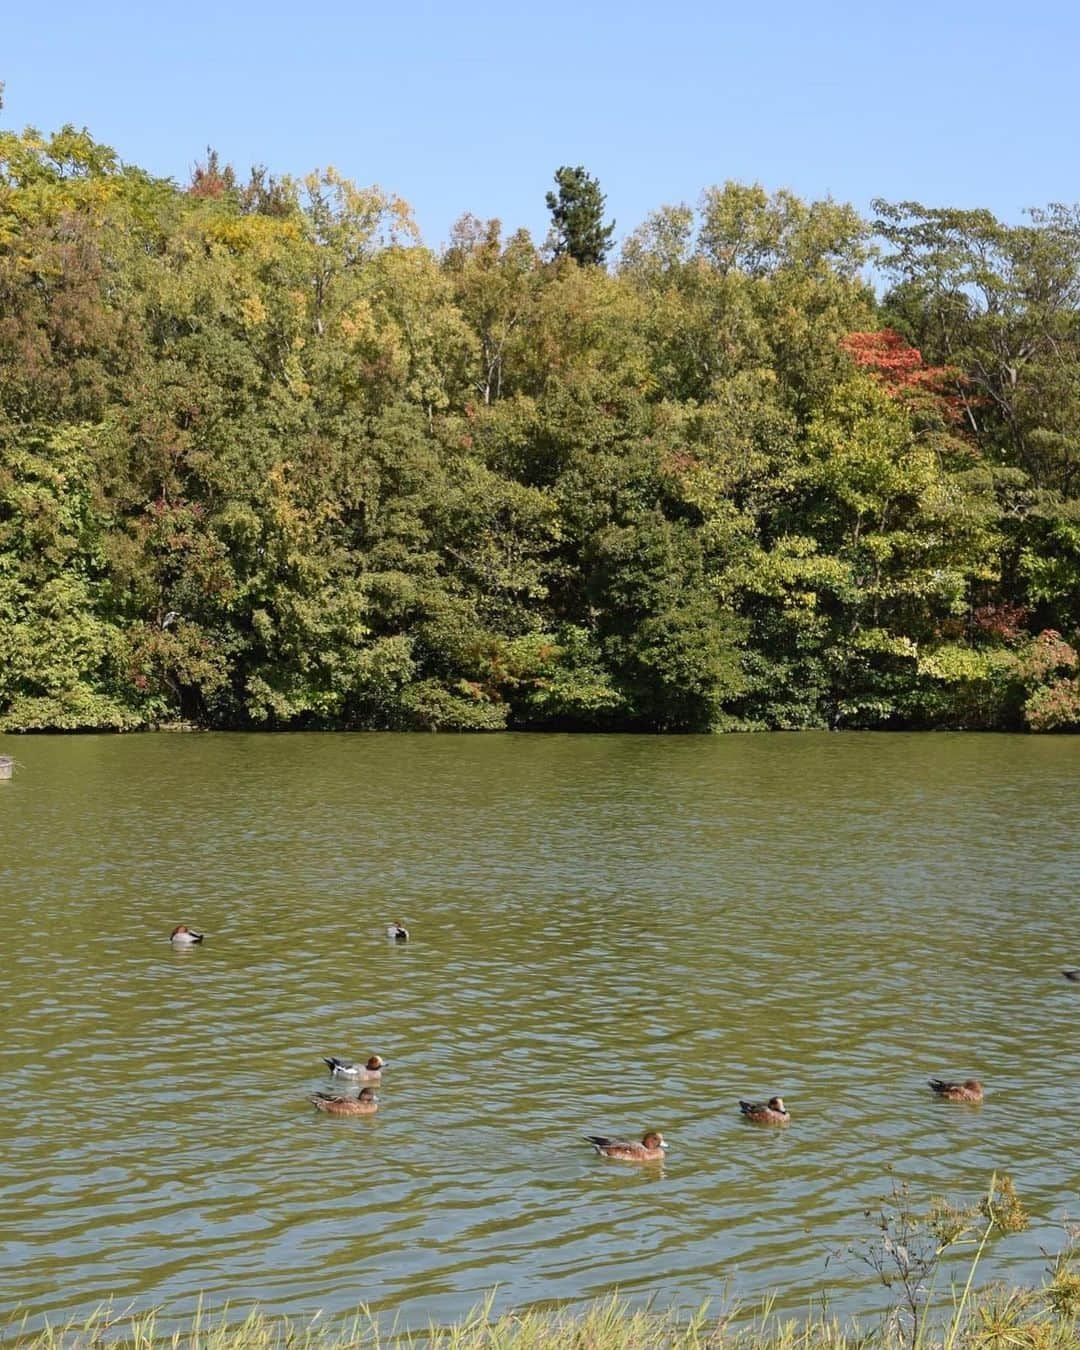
(183, 936)
(772, 1112)
(368, 1072)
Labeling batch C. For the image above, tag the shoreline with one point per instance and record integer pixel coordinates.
(1042, 1318)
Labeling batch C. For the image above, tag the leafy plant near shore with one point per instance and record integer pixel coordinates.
(267, 461)
(913, 1245)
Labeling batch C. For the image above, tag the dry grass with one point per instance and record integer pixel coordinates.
(998, 1319)
(906, 1256)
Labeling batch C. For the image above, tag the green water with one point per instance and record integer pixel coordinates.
(609, 933)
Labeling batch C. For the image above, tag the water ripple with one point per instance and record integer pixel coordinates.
(609, 933)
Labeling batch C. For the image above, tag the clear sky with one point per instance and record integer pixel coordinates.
(463, 106)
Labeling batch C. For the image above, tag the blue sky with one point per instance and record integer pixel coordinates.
(466, 106)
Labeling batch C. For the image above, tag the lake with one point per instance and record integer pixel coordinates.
(608, 933)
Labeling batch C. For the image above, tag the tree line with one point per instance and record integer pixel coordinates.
(268, 461)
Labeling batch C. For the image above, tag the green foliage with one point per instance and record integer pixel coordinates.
(432, 707)
(560, 681)
(267, 461)
(1048, 565)
(577, 218)
(966, 688)
(669, 643)
(64, 663)
(1047, 667)
(999, 304)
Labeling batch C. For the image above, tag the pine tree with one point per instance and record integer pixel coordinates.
(577, 212)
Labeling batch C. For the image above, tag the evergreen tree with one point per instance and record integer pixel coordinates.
(577, 213)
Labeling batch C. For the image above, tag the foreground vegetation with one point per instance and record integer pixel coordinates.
(908, 1253)
(998, 1320)
(268, 461)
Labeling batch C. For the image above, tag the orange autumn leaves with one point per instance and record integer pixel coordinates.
(900, 368)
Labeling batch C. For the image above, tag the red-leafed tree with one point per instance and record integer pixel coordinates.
(212, 179)
(902, 370)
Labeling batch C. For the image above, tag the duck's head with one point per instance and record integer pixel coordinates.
(375, 1063)
(654, 1139)
(367, 1095)
(777, 1104)
(973, 1085)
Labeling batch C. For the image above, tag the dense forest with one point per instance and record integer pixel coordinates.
(268, 461)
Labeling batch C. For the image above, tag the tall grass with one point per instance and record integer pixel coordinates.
(907, 1256)
(610, 1324)
(997, 1319)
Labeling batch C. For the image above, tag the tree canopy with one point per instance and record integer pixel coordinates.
(266, 460)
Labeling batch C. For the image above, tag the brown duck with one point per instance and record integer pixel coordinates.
(772, 1112)
(650, 1149)
(969, 1091)
(366, 1104)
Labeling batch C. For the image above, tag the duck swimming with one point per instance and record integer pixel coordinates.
(397, 931)
(183, 936)
(651, 1147)
(772, 1112)
(970, 1091)
(371, 1072)
(366, 1104)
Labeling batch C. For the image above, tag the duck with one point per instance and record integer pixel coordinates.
(1071, 973)
(397, 931)
(772, 1112)
(651, 1148)
(183, 936)
(969, 1091)
(370, 1072)
(366, 1104)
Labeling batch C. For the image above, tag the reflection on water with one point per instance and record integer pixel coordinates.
(608, 935)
